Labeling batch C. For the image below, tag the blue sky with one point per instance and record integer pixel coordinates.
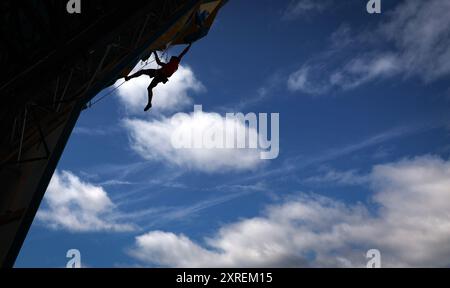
(363, 102)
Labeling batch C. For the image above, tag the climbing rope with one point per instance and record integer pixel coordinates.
(164, 55)
(92, 103)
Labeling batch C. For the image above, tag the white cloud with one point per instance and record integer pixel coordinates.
(364, 69)
(313, 78)
(152, 140)
(78, 206)
(304, 80)
(411, 228)
(417, 34)
(421, 32)
(297, 8)
(169, 248)
(166, 97)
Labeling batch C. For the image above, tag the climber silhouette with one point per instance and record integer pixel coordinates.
(160, 75)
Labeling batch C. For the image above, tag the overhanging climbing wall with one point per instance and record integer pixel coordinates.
(53, 63)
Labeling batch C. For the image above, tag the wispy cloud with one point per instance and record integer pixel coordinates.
(271, 88)
(302, 8)
(96, 131)
(331, 176)
(115, 171)
(300, 162)
(395, 133)
(114, 182)
(78, 206)
(162, 215)
(412, 42)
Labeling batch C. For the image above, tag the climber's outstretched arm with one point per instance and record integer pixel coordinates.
(158, 61)
(185, 51)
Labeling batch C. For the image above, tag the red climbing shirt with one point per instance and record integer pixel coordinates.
(170, 68)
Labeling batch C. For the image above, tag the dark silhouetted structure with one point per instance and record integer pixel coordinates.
(53, 64)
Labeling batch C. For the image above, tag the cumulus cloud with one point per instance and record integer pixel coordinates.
(78, 206)
(168, 97)
(413, 42)
(153, 140)
(411, 227)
